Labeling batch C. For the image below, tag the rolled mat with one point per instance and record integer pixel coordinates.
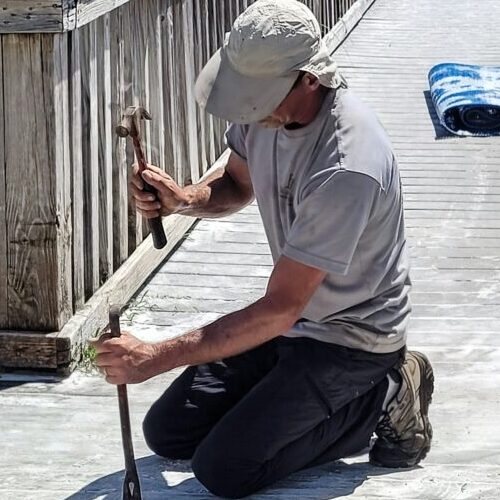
(467, 98)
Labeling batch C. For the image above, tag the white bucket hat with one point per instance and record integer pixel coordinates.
(269, 43)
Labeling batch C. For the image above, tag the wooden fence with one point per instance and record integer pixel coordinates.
(68, 68)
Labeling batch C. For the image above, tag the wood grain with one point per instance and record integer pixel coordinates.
(36, 212)
(22, 16)
(28, 350)
(119, 98)
(60, 163)
(90, 106)
(3, 204)
(106, 132)
(77, 165)
(90, 10)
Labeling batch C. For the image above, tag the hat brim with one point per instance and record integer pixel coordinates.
(238, 98)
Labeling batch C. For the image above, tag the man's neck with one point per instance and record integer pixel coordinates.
(310, 109)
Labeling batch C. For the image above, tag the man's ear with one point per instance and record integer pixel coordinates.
(311, 81)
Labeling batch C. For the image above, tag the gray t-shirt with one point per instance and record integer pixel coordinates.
(330, 197)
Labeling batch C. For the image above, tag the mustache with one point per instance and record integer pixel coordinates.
(271, 123)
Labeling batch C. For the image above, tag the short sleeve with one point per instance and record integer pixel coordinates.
(330, 221)
(235, 139)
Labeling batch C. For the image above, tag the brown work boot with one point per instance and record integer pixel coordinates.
(404, 431)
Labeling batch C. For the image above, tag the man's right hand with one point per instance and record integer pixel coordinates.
(171, 197)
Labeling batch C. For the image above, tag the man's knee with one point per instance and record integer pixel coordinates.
(223, 474)
(161, 437)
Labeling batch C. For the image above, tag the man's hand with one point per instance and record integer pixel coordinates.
(171, 197)
(125, 359)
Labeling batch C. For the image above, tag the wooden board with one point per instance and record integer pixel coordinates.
(105, 133)
(3, 213)
(37, 205)
(119, 100)
(90, 127)
(32, 350)
(60, 161)
(51, 16)
(77, 165)
(18, 16)
(89, 10)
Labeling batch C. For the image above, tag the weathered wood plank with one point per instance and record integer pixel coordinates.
(106, 131)
(3, 220)
(207, 269)
(35, 86)
(137, 46)
(57, 50)
(31, 350)
(77, 164)
(90, 74)
(22, 16)
(176, 164)
(120, 95)
(186, 279)
(198, 63)
(89, 10)
(169, 128)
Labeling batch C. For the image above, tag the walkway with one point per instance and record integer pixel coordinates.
(62, 440)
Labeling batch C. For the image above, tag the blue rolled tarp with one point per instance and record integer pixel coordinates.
(467, 98)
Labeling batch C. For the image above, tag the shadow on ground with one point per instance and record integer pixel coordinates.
(9, 380)
(326, 482)
(439, 130)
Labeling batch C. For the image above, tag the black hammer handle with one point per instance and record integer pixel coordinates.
(156, 225)
(131, 484)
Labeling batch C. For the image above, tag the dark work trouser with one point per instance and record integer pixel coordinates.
(252, 419)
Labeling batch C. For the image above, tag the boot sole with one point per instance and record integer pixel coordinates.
(426, 391)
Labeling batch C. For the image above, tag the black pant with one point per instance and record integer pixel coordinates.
(252, 419)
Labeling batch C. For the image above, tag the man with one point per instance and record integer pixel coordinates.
(308, 372)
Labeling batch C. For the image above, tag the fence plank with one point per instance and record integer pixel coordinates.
(105, 181)
(170, 126)
(3, 226)
(120, 95)
(198, 62)
(91, 158)
(137, 228)
(174, 79)
(56, 48)
(159, 121)
(77, 170)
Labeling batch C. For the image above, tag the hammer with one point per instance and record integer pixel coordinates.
(130, 126)
(131, 485)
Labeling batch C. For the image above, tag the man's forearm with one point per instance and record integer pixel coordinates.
(230, 335)
(214, 197)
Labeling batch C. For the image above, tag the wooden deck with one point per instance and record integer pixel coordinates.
(62, 440)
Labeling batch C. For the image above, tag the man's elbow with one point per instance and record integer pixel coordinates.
(286, 312)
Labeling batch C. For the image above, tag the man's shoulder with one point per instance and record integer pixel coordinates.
(364, 143)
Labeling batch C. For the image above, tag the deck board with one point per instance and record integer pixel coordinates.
(452, 203)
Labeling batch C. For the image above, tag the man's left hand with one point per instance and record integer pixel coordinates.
(125, 359)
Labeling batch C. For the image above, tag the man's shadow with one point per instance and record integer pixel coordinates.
(325, 482)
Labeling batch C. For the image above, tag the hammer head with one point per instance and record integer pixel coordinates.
(131, 119)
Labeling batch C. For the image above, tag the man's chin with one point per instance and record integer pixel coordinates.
(271, 124)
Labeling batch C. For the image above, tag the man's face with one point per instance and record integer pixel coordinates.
(282, 115)
(292, 108)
